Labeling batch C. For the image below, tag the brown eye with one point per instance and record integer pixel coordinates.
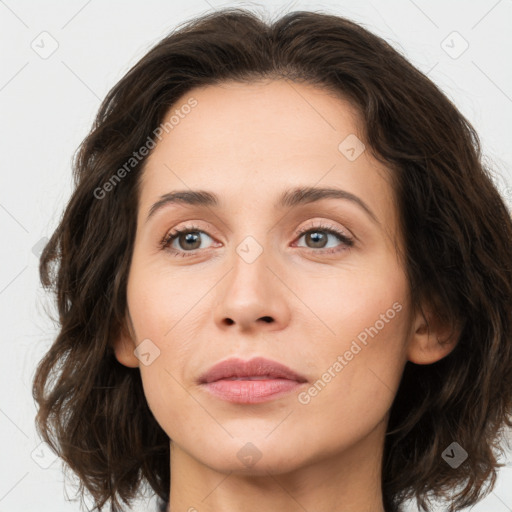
(189, 240)
(319, 237)
(181, 241)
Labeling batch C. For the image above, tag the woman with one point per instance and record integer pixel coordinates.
(338, 334)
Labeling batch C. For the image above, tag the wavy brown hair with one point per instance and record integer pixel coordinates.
(457, 236)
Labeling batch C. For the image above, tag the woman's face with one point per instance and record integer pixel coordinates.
(245, 283)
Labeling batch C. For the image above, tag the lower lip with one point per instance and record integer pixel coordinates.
(251, 391)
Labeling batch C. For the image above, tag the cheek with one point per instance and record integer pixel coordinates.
(347, 304)
(358, 351)
(170, 307)
(160, 297)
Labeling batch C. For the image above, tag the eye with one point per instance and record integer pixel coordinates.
(318, 238)
(188, 240)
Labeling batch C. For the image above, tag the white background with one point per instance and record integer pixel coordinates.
(48, 104)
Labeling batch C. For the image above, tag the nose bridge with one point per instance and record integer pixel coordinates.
(251, 237)
(251, 290)
(250, 259)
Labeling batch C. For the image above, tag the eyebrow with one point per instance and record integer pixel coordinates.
(288, 199)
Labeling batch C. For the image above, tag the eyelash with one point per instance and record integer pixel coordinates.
(170, 237)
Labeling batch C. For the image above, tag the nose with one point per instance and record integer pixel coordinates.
(253, 296)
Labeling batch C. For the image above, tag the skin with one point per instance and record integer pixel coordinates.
(247, 143)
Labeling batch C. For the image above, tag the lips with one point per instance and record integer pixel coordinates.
(250, 382)
(257, 368)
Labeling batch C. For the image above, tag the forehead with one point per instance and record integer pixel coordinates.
(249, 142)
(257, 122)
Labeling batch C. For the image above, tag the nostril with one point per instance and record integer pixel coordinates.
(267, 319)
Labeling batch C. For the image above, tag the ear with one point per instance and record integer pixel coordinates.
(432, 338)
(124, 346)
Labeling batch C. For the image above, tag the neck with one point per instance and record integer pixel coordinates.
(349, 480)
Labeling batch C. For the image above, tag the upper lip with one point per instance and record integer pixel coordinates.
(256, 367)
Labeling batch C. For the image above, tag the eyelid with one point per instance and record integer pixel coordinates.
(324, 225)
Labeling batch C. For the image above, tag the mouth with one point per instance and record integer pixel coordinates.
(250, 377)
(254, 381)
